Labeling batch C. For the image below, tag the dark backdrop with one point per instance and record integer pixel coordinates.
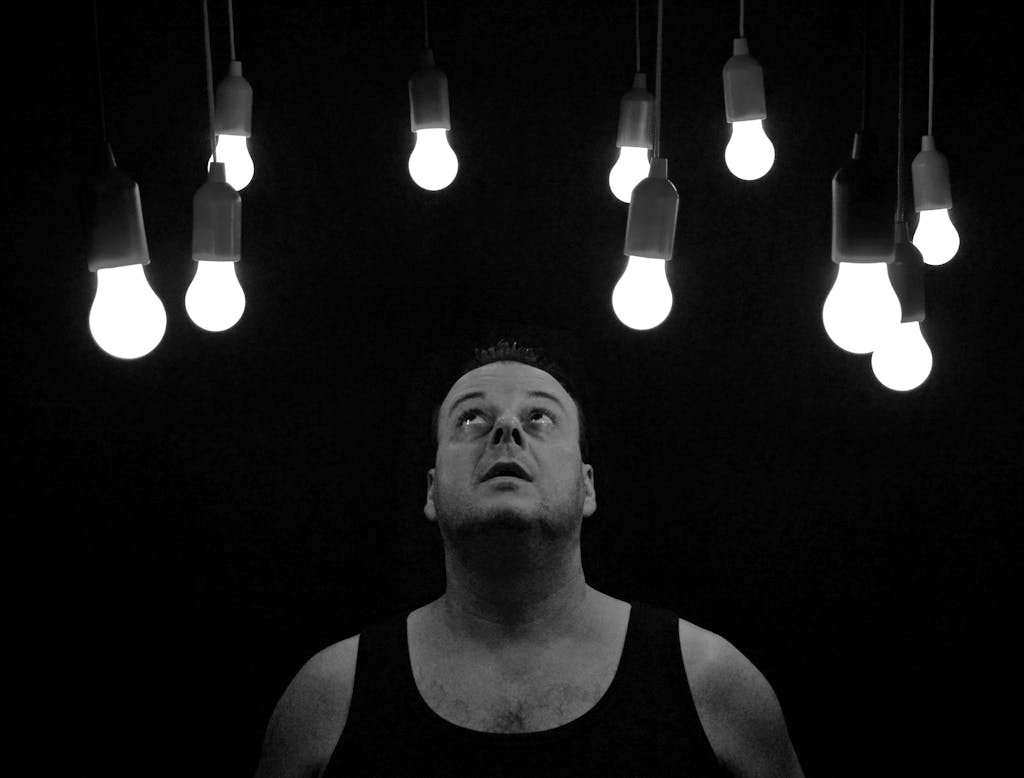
(189, 527)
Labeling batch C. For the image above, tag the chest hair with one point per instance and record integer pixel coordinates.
(488, 701)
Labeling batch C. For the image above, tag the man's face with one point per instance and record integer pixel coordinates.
(508, 454)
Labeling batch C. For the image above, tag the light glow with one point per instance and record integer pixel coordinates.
(642, 298)
(233, 151)
(632, 167)
(749, 153)
(215, 300)
(127, 319)
(862, 306)
(433, 164)
(936, 237)
(902, 361)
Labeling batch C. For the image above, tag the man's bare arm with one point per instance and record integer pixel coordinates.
(310, 716)
(740, 712)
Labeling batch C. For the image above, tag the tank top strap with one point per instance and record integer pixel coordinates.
(381, 664)
(652, 645)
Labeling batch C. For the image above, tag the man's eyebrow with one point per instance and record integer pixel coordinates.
(475, 395)
(546, 395)
(533, 394)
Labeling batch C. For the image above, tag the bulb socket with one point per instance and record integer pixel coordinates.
(930, 173)
(653, 208)
(233, 111)
(216, 219)
(862, 198)
(743, 82)
(428, 96)
(636, 116)
(906, 274)
(117, 235)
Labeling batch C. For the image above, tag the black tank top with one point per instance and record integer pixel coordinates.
(644, 724)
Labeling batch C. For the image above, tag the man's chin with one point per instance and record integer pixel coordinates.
(503, 522)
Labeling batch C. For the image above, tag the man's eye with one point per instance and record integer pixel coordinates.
(470, 418)
(540, 416)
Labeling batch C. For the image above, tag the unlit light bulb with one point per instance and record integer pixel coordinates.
(936, 237)
(862, 306)
(233, 151)
(215, 300)
(642, 297)
(902, 360)
(749, 154)
(127, 319)
(632, 167)
(433, 164)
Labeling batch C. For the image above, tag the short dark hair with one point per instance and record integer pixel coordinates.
(511, 350)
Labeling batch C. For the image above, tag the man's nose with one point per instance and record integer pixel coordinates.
(507, 430)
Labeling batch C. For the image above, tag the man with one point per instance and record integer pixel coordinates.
(520, 667)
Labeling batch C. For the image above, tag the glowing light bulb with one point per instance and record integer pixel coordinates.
(749, 154)
(902, 361)
(215, 300)
(642, 297)
(936, 237)
(233, 151)
(632, 167)
(862, 306)
(433, 164)
(127, 319)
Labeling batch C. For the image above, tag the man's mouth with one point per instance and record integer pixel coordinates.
(506, 470)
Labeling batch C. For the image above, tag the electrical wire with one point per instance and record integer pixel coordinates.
(931, 66)
(231, 29)
(209, 78)
(657, 89)
(900, 216)
(865, 86)
(99, 75)
(426, 28)
(636, 28)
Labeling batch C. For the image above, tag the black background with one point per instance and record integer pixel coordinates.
(189, 527)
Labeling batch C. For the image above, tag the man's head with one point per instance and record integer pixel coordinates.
(509, 450)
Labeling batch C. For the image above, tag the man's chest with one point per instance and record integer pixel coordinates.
(488, 699)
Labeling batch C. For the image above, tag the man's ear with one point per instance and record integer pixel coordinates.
(589, 491)
(428, 507)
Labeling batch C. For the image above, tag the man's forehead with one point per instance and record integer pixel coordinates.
(506, 378)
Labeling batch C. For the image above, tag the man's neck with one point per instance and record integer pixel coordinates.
(508, 604)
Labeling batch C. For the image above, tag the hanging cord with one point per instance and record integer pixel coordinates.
(900, 217)
(636, 27)
(99, 75)
(209, 78)
(931, 66)
(657, 89)
(865, 86)
(742, 33)
(426, 27)
(231, 29)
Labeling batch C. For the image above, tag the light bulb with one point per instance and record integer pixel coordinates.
(234, 153)
(127, 319)
(632, 167)
(214, 299)
(433, 164)
(902, 360)
(861, 307)
(749, 154)
(936, 237)
(642, 297)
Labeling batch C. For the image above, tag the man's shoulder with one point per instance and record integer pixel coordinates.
(334, 665)
(716, 669)
(311, 713)
(738, 708)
